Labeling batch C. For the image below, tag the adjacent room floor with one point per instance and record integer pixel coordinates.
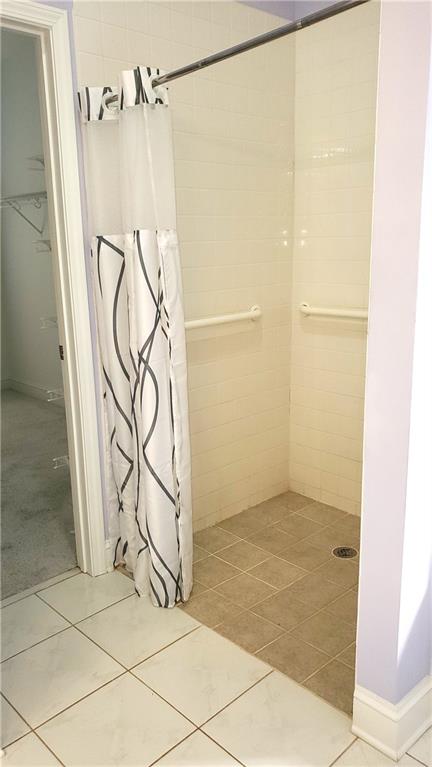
(93, 675)
(267, 580)
(37, 523)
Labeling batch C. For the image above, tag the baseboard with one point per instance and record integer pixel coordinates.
(37, 392)
(393, 728)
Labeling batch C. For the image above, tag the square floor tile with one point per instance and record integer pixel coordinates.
(81, 596)
(422, 750)
(134, 629)
(197, 751)
(272, 539)
(284, 610)
(342, 571)
(243, 555)
(210, 608)
(295, 501)
(199, 553)
(276, 572)
(360, 754)
(298, 527)
(350, 524)
(325, 633)
(43, 680)
(330, 537)
(213, 539)
(335, 683)
(124, 723)
(315, 590)
(201, 673)
(280, 723)
(245, 523)
(304, 555)
(348, 656)
(27, 622)
(12, 726)
(293, 657)
(28, 752)
(272, 510)
(322, 513)
(344, 608)
(249, 631)
(212, 571)
(244, 590)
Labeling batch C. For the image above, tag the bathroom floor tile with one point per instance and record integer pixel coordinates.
(134, 629)
(243, 555)
(422, 750)
(244, 524)
(350, 525)
(335, 683)
(123, 723)
(322, 632)
(272, 539)
(29, 752)
(330, 537)
(315, 590)
(27, 622)
(320, 512)
(43, 680)
(213, 539)
(342, 571)
(210, 608)
(272, 510)
(344, 608)
(212, 571)
(276, 572)
(12, 726)
(280, 723)
(348, 656)
(298, 527)
(245, 590)
(185, 672)
(284, 610)
(293, 657)
(197, 751)
(360, 754)
(302, 554)
(81, 596)
(295, 501)
(249, 631)
(199, 553)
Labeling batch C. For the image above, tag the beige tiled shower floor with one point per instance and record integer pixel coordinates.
(267, 580)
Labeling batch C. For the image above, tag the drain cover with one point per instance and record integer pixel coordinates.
(344, 552)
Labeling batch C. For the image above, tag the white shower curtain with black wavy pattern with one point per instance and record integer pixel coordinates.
(129, 173)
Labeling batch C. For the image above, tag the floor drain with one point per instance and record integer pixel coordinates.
(344, 552)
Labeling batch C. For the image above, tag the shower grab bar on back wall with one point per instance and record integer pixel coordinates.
(321, 311)
(254, 313)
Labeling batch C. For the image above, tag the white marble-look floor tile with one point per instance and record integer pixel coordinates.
(197, 751)
(422, 750)
(134, 629)
(26, 622)
(12, 726)
(278, 722)
(28, 752)
(40, 586)
(361, 754)
(124, 723)
(81, 596)
(201, 673)
(43, 680)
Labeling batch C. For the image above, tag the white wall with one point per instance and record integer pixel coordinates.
(233, 142)
(29, 355)
(335, 94)
(396, 549)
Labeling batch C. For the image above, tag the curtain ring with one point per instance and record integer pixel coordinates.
(113, 106)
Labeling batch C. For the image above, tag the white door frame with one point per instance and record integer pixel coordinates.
(50, 25)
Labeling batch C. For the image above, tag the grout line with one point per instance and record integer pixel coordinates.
(49, 748)
(161, 756)
(165, 647)
(34, 590)
(271, 670)
(343, 752)
(41, 641)
(81, 620)
(206, 735)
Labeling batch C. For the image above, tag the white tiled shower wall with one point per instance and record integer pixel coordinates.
(240, 225)
(234, 149)
(335, 97)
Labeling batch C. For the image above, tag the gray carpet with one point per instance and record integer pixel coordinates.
(37, 540)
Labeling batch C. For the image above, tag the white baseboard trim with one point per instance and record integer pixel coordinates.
(393, 728)
(37, 392)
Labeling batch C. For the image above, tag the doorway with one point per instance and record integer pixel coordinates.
(52, 509)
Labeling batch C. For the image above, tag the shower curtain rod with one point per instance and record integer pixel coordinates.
(254, 42)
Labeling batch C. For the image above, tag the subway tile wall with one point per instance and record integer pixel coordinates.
(233, 130)
(335, 96)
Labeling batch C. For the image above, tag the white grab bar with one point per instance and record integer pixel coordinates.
(321, 311)
(253, 313)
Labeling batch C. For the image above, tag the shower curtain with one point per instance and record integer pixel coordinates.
(129, 173)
